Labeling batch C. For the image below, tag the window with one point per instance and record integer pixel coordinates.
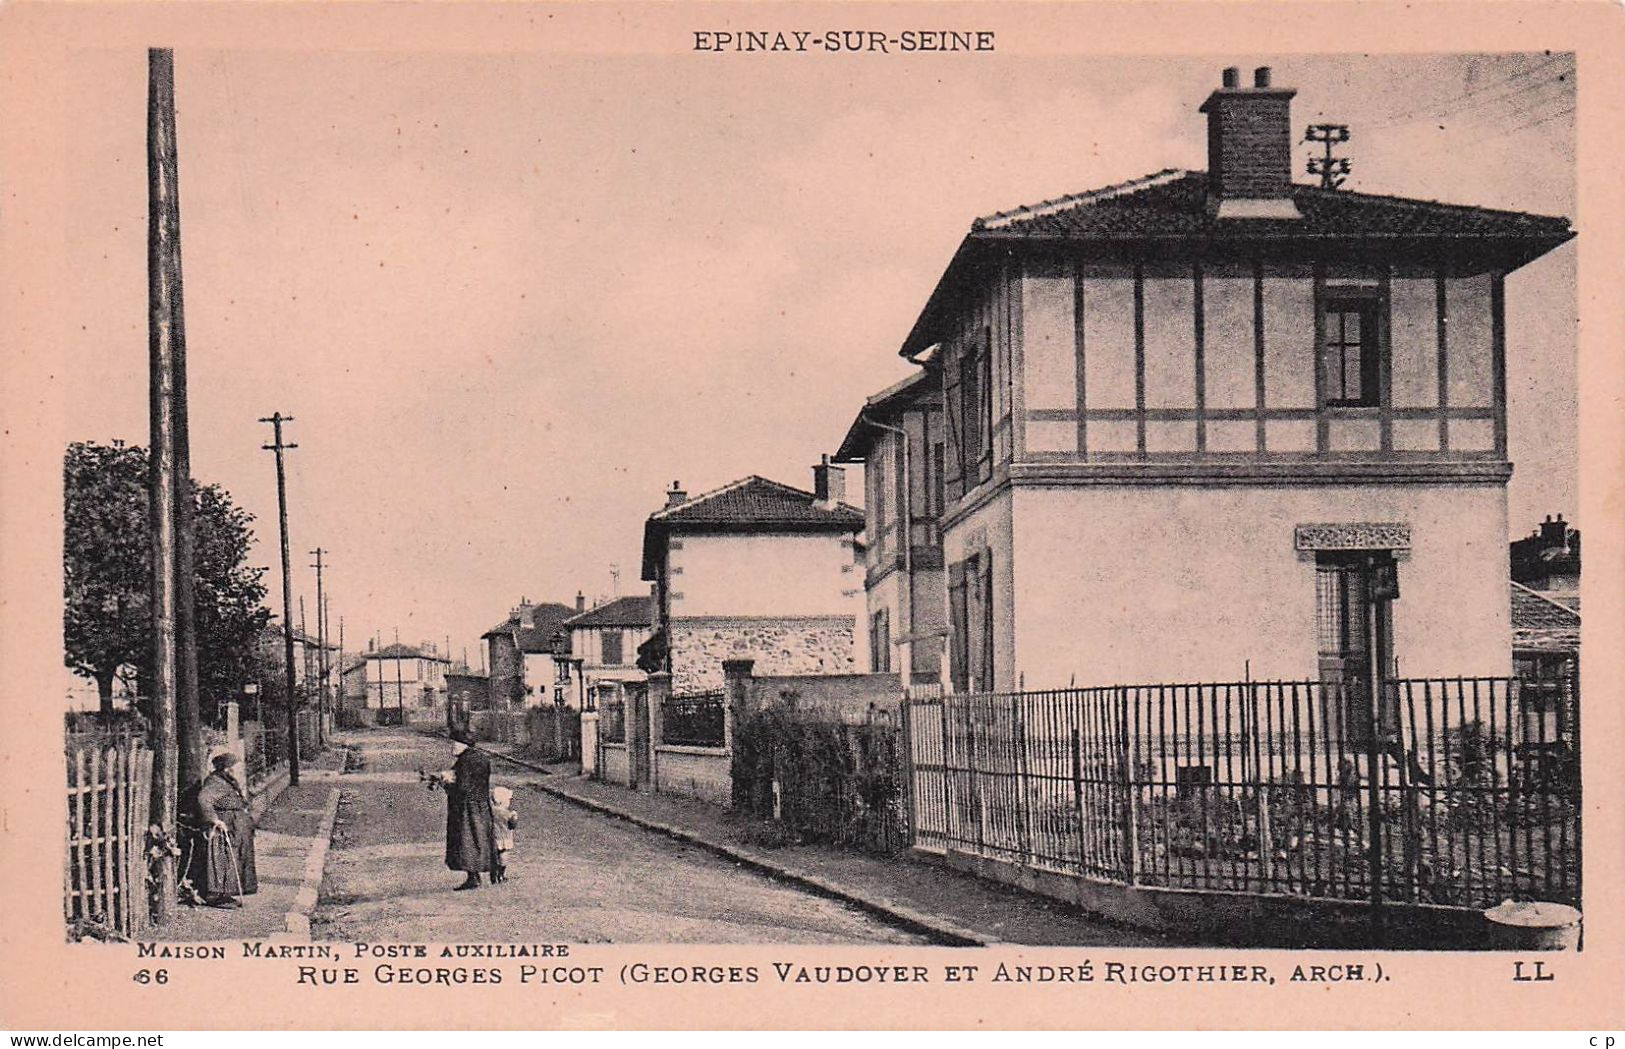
(880, 642)
(609, 643)
(975, 410)
(970, 610)
(1350, 354)
(934, 488)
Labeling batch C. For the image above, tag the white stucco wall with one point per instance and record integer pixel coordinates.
(990, 526)
(1139, 585)
(765, 575)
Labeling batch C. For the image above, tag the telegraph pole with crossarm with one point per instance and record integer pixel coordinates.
(321, 650)
(1330, 169)
(276, 420)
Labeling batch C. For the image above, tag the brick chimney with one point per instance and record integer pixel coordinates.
(676, 497)
(829, 483)
(1554, 533)
(526, 613)
(1249, 148)
(581, 601)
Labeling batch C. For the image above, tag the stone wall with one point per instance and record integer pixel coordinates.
(703, 773)
(790, 645)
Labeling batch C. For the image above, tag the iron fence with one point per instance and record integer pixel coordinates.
(1459, 791)
(696, 719)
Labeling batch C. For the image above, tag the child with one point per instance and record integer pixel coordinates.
(506, 820)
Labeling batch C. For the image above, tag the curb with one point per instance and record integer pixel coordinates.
(942, 933)
(296, 922)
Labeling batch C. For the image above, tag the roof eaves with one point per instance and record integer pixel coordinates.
(1000, 219)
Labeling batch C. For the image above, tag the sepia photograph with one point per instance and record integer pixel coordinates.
(794, 487)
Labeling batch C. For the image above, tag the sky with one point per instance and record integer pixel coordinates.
(509, 299)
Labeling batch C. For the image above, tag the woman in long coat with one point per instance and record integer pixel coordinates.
(223, 863)
(470, 828)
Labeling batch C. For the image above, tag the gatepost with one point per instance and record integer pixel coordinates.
(737, 689)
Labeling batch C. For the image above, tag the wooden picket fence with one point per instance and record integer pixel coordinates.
(105, 880)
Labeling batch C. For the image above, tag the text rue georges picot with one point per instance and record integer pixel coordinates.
(406, 964)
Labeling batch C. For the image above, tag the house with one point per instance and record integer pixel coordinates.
(522, 651)
(1208, 423)
(755, 569)
(1548, 559)
(394, 681)
(604, 643)
(900, 439)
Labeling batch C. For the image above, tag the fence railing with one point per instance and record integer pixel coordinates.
(1455, 791)
(697, 719)
(105, 876)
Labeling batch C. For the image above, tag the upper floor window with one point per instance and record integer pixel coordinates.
(1350, 352)
(610, 647)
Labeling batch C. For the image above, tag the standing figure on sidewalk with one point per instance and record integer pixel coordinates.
(223, 857)
(507, 820)
(470, 827)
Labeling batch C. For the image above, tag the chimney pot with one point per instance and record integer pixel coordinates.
(676, 497)
(581, 601)
(1249, 136)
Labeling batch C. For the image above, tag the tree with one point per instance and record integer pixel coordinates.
(107, 575)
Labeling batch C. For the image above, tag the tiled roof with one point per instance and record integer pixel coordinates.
(546, 635)
(756, 501)
(623, 611)
(1172, 208)
(1175, 203)
(1532, 610)
(750, 504)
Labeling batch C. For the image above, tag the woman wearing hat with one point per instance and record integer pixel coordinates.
(223, 867)
(470, 828)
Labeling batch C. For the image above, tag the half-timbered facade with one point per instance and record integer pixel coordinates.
(899, 437)
(1204, 424)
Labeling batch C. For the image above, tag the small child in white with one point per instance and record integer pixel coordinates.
(506, 820)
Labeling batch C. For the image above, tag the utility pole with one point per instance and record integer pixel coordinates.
(321, 651)
(1330, 169)
(175, 737)
(276, 420)
(400, 689)
(340, 700)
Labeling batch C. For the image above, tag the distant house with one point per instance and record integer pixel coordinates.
(604, 643)
(523, 651)
(899, 437)
(760, 570)
(398, 678)
(467, 690)
(1548, 559)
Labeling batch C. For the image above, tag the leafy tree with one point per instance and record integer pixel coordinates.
(107, 575)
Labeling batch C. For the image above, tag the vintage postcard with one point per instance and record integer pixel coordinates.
(812, 515)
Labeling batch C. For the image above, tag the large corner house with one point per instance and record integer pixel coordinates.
(1202, 424)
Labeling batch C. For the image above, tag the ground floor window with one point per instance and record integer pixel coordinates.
(880, 642)
(970, 610)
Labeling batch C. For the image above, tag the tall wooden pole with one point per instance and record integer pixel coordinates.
(276, 420)
(163, 328)
(321, 651)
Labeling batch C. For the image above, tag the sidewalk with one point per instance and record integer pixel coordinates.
(289, 834)
(951, 907)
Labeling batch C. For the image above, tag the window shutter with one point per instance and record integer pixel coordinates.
(953, 478)
(986, 668)
(958, 628)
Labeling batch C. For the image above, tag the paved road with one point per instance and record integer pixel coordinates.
(574, 876)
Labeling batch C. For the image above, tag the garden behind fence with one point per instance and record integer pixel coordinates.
(1462, 791)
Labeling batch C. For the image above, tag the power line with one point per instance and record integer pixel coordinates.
(1479, 96)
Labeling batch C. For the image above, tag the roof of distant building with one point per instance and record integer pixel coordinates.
(634, 610)
(882, 407)
(1172, 206)
(400, 651)
(750, 504)
(1533, 610)
(545, 635)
